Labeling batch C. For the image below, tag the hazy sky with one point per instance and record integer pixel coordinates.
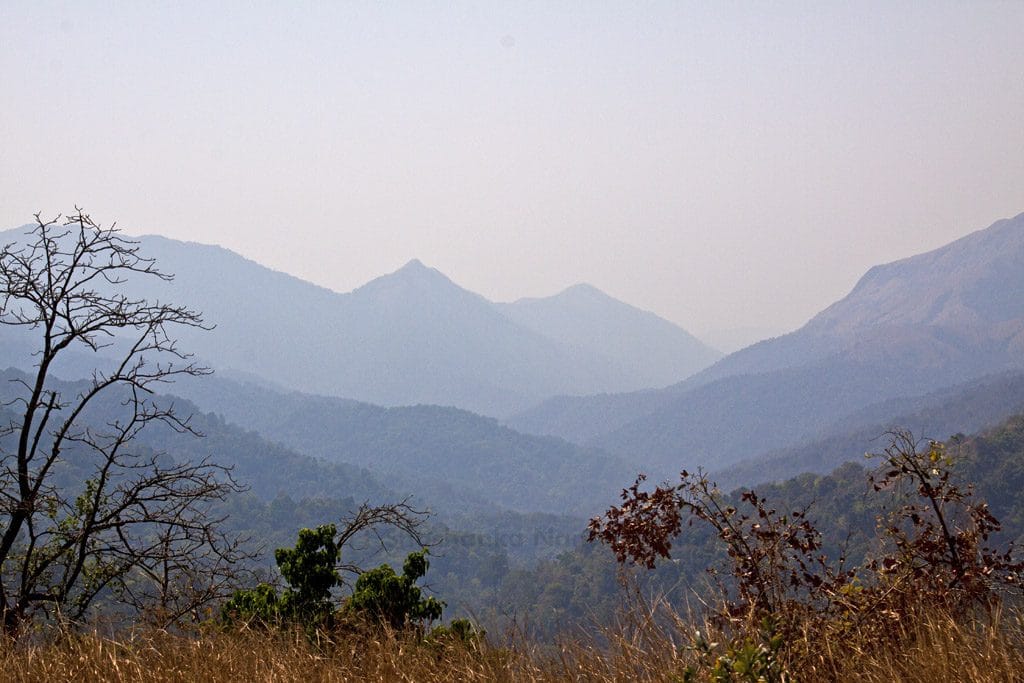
(725, 165)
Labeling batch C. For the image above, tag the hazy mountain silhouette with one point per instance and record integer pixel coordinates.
(587, 320)
(963, 298)
(907, 328)
(409, 337)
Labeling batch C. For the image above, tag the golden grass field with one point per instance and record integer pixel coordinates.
(934, 649)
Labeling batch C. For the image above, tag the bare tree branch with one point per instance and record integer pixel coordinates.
(367, 523)
(139, 529)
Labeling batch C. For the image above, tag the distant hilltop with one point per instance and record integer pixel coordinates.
(414, 336)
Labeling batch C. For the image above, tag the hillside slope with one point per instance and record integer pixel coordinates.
(907, 329)
(441, 454)
(964, 409)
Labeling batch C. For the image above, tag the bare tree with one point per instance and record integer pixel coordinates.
(365, 528)
(138, 529)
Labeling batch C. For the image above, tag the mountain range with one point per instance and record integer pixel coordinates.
(908, 328)
(413, 336)
(962, 409)
(323, 400)
(913, 329)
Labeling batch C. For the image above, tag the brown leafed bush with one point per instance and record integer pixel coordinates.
(933, 556)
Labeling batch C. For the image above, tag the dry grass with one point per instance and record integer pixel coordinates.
(641, 648)
(939, 649)
(245, 656)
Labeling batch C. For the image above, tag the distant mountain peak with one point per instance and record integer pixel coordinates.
(413, 265)
(578, 291)
(417, 269)
(414, 276)
(583, 288)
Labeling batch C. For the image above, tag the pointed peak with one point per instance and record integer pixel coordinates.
(416, 269)
(414, 274)
(414, 264)
(583, 291)
(583, 288)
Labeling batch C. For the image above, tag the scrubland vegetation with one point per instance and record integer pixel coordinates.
(933, 599)
(129, 557)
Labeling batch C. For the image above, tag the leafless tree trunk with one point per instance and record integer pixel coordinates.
(138, 529)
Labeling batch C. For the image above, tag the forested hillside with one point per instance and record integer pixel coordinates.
(460, 460)
(476, 541)
(841, 504)
(963, 409)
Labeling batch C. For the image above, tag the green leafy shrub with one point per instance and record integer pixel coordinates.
(381, 596)
(459, 631)
(750, 658)
(311, 573)
(386, 597)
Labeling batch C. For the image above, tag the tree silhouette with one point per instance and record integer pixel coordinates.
(138, 529)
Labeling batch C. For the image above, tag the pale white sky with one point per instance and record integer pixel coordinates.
(722, 164)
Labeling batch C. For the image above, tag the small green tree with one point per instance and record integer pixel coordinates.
(313, 569)
(310, 570)
(311, 573)
(386, 597)
(260, 605)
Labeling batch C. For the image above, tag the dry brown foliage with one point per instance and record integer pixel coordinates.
(932, 556)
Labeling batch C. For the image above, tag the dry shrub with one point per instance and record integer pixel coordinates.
(933, 648)
(786, 601)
